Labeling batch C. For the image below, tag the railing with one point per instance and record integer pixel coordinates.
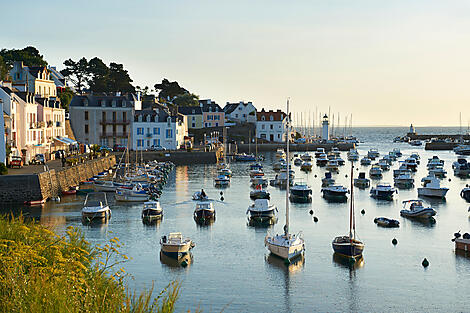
(32, 125)
(49, 123)
(40, 124)
(115, 122)
(58, 124)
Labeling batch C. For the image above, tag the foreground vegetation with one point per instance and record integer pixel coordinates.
(43, 272)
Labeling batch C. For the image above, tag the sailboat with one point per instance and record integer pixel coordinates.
(286, 246)
(348, 245)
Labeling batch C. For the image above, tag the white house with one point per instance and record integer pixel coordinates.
(157, 128)
(2, 135)
(240, 112)
(270, 125)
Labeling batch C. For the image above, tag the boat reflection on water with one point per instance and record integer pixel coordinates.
(262, 223)
(204, 222)
(346, 262)
(423, 222)
(152, 222)
(96, 223)
(294, 266)
(183, 261)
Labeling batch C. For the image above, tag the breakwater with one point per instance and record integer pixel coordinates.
(177, 157)
(265, 147)
(32, 187)
(414, 136)
(440, 145)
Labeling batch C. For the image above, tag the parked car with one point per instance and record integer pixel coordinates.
(39, 159)
(157, 148)
(119, 148)
(16, 161)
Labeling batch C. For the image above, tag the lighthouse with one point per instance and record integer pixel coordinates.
(324, 132)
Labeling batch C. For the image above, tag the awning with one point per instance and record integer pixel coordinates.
(65, 140)
(61, 140)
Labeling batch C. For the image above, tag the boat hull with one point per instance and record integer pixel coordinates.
(176, 251)
(434, 193)
(462, 244)
(287, 253)
(348, 249)
(425, 213)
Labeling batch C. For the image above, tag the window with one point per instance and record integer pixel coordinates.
(193, 118)
(148, 143)
(140, 142)
(193, 125)
(262, 126)
(103, 116)
(239, 108)
(210, 117)
(244, 115)
(236, 115)
(156, 131)
(114, 116)
(114, 129)
(155, 142)
(271, 118)
(86, 115)
(169, 133)
(148, 130)
(263, 118)
(216, 124)
(263, 136)
(124, 129)
(140, 130)
(278, 136)
(86, 129)
(206, 125)
(217, 117)
(124, 116)
(271, 126)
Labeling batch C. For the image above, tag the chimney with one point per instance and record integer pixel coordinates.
(241, 102)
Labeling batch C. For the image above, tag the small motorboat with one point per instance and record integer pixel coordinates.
(416, 143)
(279, 164)
(411, 164)
(462, 150)
(438, 171)
(433, 189)
(461, 168)
(322, 160)
(226, 172)
(175, 245)
(200, 196)
(361, 181)
(136, 194)
(339, 160)
(70, 192)
(259, 181)
(462, 243)
(298, 162)
(221, 181)
(96, 207)
(375, 171)
(397, 152)
(402, 170)
(300, 193)
(262, 210)
(386, 222)
(415, 156)
(404, 181)
(415, 208)
(256, 166)
(366, 161)
(280, 154)
(306, 157)
(335, 193)
(353, 155)
(35, 202)
(243, 157)
(151, 211)
(319, 152)
(256, 173)
(373, 154)
(259, 193)
(204, 211)
(332, 166)
(434, 162)
(327, 180)
(426, 180)
(306, 166)
(383, 164)
(382, 192)
(465, 193)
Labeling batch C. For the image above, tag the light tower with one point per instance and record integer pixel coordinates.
(412, 129)
(325, 123)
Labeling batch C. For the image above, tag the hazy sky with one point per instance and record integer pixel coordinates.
(386, 62)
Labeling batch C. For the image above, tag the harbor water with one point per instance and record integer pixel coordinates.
(232, 271)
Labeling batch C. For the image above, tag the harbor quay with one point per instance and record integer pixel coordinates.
(266, 147)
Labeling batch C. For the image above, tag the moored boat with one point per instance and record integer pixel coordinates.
(415, 209)
(261, 210)
(404, 181)
(175, 245)
(433, 189)
(151, 211)
(204, 211)
(338, 193)
(300, 192)
(95, 207)
(382, 192)
(361, 181)
(386, 222)
(375, 171)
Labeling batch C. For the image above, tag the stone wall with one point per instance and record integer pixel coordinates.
(177, 157)
(21, 188)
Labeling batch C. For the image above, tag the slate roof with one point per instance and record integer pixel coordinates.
(277, 115)
(159, 116)
(209, 104)
(95, 100)
(190, 110)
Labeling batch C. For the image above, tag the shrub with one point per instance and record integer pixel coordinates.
(3, 169)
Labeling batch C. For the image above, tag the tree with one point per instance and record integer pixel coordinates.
(186, 99)
(29, 55)
(169, 90)
(65, 97)
(77, 72)
(98, 72)
(4, 75)
(119, 79)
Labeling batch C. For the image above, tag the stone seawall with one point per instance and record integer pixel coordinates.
(265, 147)
(21, 188)
(177, 157)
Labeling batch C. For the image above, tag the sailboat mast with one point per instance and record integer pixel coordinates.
(352, 222)
(286, 228)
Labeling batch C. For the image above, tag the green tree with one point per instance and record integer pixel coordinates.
(29, 55)
(77, 72)
(65, 97)
(169, 90)
(119, 79)
(99, 73)
(186, 99)
(4, 75)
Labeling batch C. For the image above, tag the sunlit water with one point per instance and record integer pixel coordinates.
(231, 269)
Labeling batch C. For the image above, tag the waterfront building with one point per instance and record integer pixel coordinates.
(325, 125)
(34, 79)
(152, 129)
(212, 114)
(3, 127)
(194, 116)
(60, 81)
(104, 119)
(242, 112)
(270, 125)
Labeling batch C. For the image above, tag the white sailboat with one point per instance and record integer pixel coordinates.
(286, 246)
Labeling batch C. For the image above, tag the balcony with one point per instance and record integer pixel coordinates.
(58, 124)
(115, 122)
(115, 135)
(32, 125)
(40, 124)
(49, 123)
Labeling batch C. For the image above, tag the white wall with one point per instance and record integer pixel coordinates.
(242, 113)
(2, 136)
(155, 134)
(277, 131)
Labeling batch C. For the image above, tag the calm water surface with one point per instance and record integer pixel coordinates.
(231, 269)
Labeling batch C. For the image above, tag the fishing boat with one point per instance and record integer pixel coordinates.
(434, 162)
(433, 189)
(151, 211)
(221, 181)
(373, 154)
(465, 193)
(461, 168)
(286, 246)
(306, 157)
(327, 180)
(204, 211)
(259, 193)
(402, 170)
(322, 160)
(335, 193)
(255, 181)
(438, 171)
(404, 181)
(319, 152)
(175, 245)
(348, 246)
(353, 155)
(411, 164)
(415, 208)
(298, 162)
(332, 166)
(136, 194)
(200, 196)
(306, 166)
(300, 192)
(366, 161)
(261, 211)
(96, 207)
(375, 171)
(361, 181)
(386, 222)
(382, 192)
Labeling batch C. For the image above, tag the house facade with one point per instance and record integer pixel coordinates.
(34, 79)
(271, 125)
(242, 112)
(212, 114)
(158, 128)
(194, 116)
(104, 119)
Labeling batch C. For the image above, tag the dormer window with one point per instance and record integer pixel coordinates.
(103, 103)
(271, 118)
(113, 103)
(263, 118)
(148, 118)
(140, 118)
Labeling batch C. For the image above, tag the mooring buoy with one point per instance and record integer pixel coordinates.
(311, 212)
(425, 262)
(363, 211)
(394, 241)
(315, 219)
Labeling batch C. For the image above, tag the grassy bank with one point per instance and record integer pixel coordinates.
(43, 272)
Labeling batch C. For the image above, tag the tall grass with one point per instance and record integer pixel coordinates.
(43, 272)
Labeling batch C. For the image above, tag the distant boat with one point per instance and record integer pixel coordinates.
(373, 154)
(136, 194)
(386, 222)
(335, 193)
(382, 192)
(301, 193)
(306, 166)
(327, 180)
(221, 181)
(353, 155)
(433, 189)
(198, 196)
(96, 207)
(361, 181)
(465, 193)
(152, 211)
(375, 171)
(319, 152)
(365, 161)
(243, 157)
(204, 211)
(259, 193)
(175, 245)
(404, 181)
(348, 245)
(415, 209)
(261, 210)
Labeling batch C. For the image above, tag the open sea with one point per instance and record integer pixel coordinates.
(231, 270)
